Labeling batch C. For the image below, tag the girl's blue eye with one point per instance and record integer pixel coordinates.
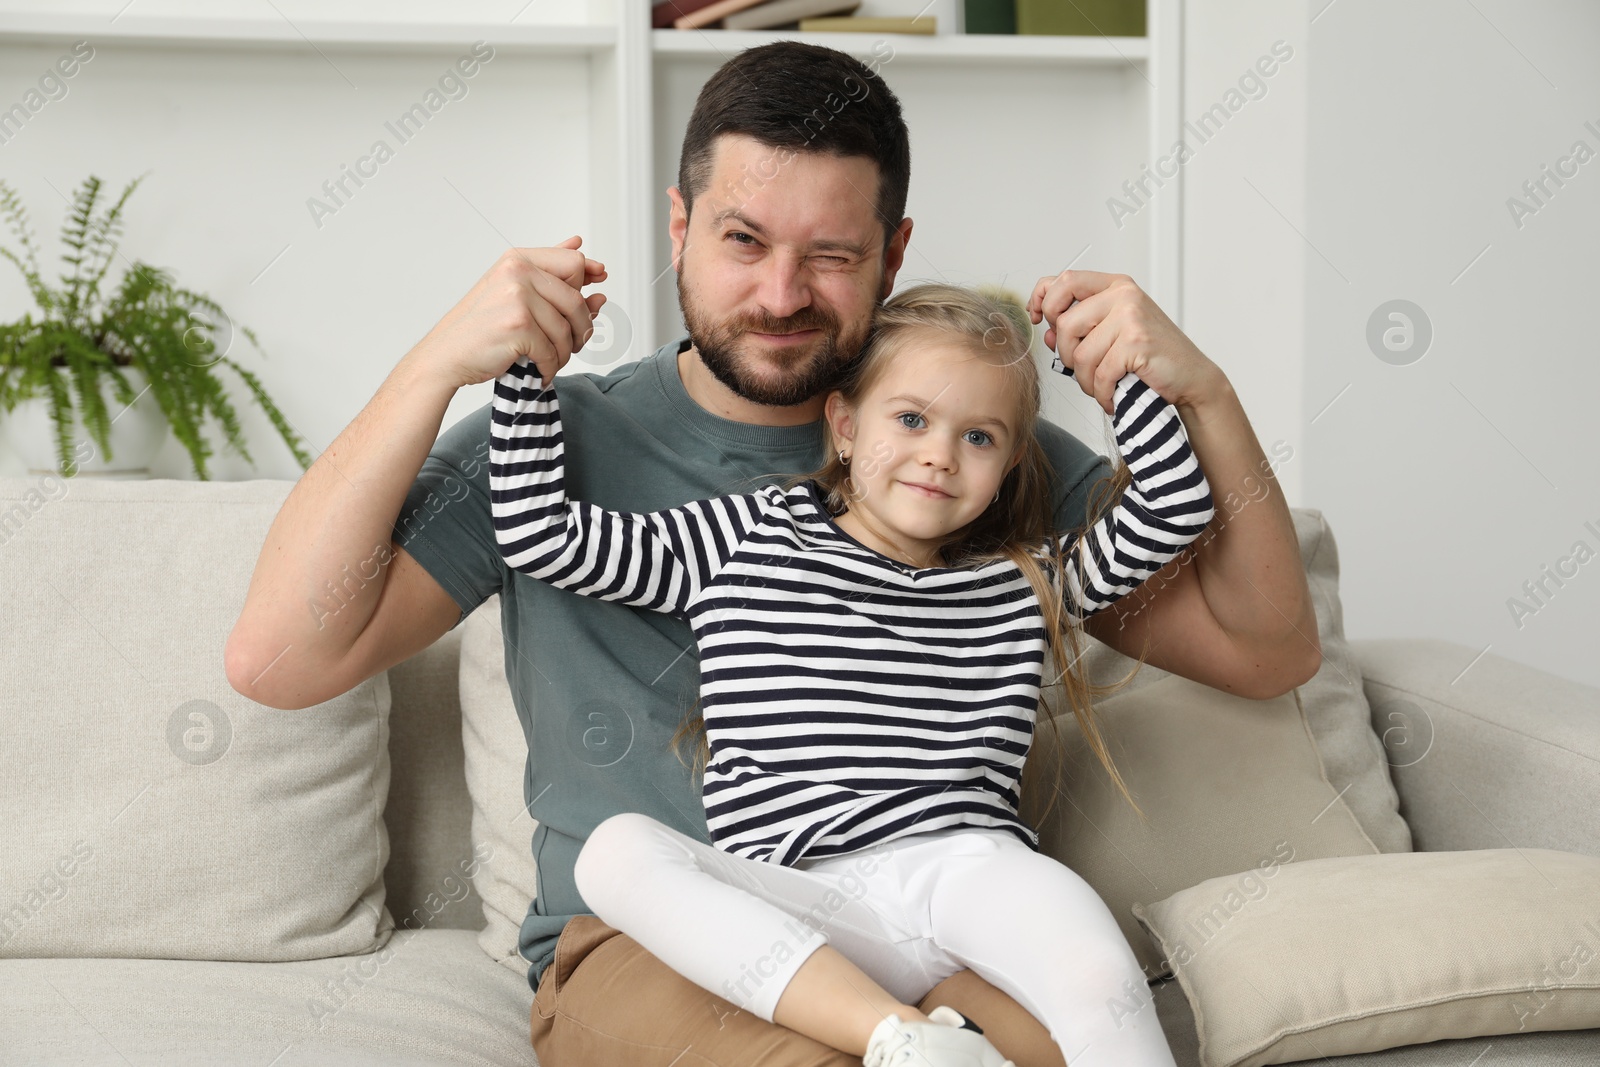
(904, 415)
(984, 439)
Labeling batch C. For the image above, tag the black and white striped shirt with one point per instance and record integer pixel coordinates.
(849, 699)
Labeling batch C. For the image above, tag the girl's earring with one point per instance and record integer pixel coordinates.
(996, 496)
(844, 459)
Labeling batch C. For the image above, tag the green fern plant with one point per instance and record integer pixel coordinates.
(148, 322)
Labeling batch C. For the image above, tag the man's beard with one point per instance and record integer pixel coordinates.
(819, 366)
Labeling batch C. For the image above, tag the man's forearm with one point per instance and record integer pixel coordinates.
(1248, 560)
(325, 557)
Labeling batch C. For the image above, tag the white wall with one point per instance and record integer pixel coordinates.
(1378, 166)
(1243, 301)
(1454, 479)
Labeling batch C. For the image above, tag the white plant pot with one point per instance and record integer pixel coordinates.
(136, 435)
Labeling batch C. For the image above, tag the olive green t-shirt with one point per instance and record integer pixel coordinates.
(600, 688)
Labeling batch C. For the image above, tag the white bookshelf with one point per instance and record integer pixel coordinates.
(952, 48)
(1097, 106)
(132, 27)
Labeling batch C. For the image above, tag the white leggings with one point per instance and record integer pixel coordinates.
(910, 913)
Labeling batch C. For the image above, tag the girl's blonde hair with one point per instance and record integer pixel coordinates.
(1019, 526)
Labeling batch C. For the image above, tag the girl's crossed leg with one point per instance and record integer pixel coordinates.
(908, 914)
(1035, 929)
(743, 928)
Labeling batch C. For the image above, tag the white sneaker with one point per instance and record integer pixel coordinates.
(947, 1039)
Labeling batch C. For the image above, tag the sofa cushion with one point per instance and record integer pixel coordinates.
(1337, 956)
(1550, 1048)
(1486, 752)
(497, 767)
(429, 815)
(1228, 784)
(426, 998)
(1335, 704)
(149, 809)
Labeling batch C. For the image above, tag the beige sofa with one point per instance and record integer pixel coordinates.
(176, 896)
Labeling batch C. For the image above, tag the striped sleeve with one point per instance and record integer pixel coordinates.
(1165, 507)
(657, 560)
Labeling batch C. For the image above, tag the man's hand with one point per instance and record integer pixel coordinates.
(1106, 326)
(528, 304)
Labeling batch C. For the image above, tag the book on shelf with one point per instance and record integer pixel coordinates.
(716, 12)
(924, 24)
(991, 16)
(1088, 18)
(782, 13)
(664, 13)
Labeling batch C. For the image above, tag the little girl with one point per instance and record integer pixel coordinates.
(872, 640)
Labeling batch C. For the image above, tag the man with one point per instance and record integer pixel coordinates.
(787, 229)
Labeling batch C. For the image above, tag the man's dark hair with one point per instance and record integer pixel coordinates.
(801, 97)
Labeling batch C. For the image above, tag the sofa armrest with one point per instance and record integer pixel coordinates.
(1495, 755)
